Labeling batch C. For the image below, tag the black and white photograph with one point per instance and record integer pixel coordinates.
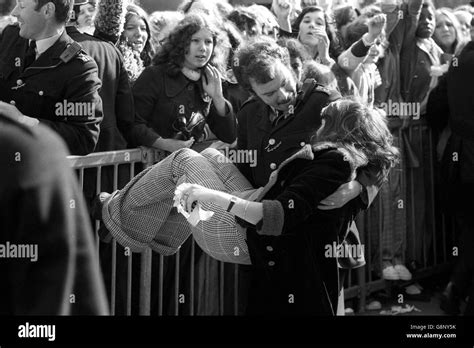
(236, 171)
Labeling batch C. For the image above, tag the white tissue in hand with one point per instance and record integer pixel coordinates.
(197, 214)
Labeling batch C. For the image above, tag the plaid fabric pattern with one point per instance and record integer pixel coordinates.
(142, 215)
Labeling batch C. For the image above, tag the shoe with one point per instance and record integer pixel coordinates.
(403, 272)
(374, 306)
(389, 273)
(450, 300)
(412, 290)
(97, 204)
(348, 311)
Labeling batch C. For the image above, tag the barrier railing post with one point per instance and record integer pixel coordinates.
(145, 282)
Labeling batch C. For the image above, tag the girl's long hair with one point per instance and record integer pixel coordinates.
(176, 45)
(361, 133)
(335, 47)
(148, 51)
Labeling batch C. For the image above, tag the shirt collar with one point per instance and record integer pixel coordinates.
(43, 44)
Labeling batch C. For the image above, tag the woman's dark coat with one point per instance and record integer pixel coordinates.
(292, 274)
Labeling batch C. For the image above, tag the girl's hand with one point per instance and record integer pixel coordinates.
(376, 25)
(196, 193)
(282, 9)
(323, 44)
(212, 83)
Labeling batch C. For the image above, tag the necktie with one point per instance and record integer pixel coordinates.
(30, 55)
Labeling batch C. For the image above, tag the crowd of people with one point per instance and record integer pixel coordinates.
(322, 92)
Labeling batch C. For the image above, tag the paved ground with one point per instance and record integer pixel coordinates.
(427, 302)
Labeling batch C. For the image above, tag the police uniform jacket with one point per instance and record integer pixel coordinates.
(60, 88)
(42, 205)
(275, 142)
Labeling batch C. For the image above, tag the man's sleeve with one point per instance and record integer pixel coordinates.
(49, 213)
(437, 108)
(81, 131)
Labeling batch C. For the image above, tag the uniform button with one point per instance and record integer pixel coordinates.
(12, 102)
(271, 141)
(271, 263)
(302, 144)
(273, 166)
(415, 76)
(19, 82)
(269, 248)
(190, 87)
(422, 61)
(40, 92)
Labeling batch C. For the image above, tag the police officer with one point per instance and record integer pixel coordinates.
(45, 77)
(42, 210)
(282, 116)
(280, 119)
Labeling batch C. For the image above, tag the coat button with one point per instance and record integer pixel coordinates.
(12, 102)
(271, 263)
(302, 144)
(19, 82)
(190, 87)
(269, 248)
(415, 76)
(40, 92)
(273, 166)
(271, 141)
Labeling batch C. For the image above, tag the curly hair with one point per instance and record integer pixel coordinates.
(176, 45)
(335, 48)
(148, 51)
(256, 60)
(361, 133)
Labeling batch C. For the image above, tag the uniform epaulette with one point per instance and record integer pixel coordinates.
(70, 52)
(249, 100)
(321, 88)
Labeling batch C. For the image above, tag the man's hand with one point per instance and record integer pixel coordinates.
(345, 193)
(11, 111)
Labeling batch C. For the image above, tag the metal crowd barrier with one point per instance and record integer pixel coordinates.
(359, 284)
(427, 243)
(99, 163)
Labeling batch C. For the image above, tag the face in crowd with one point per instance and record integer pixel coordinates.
(445, 32)
(86, 16)
(200, 50)
(312, 26)
(280, 92)
(135, 33)
(427, 23)
(465, 19)
(32, 22)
